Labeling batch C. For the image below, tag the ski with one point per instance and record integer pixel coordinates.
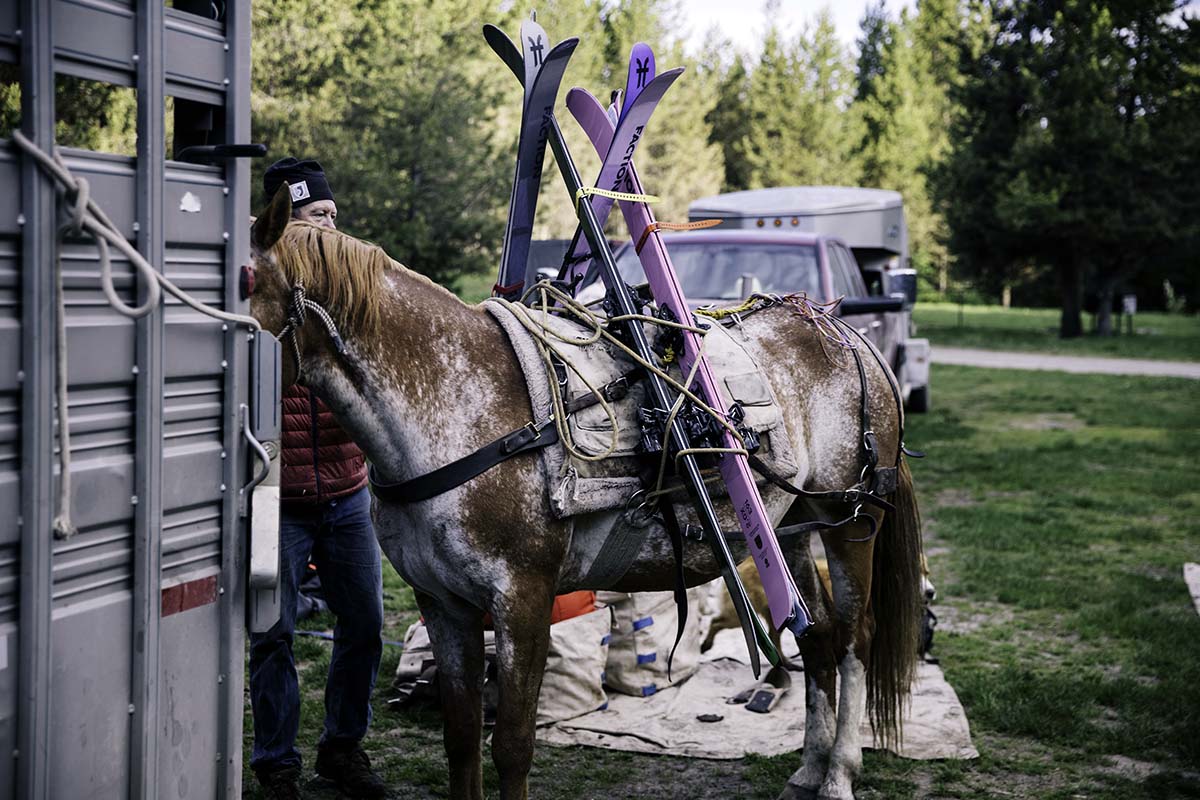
(660, 394)
(788, 609)
(542, 73)
(640, 103)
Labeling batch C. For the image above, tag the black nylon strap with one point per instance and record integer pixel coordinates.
(530, 437)
(671, 524)
(847, 496)
(456, 473)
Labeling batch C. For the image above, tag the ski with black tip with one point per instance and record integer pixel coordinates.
(542, 68)
(659, 393)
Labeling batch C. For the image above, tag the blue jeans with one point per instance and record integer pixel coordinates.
(341, 542)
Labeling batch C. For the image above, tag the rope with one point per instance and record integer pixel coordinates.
(544, 337)
(87, 216)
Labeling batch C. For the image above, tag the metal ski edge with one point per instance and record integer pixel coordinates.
(787, 605)
(541, 98)
(756, 637)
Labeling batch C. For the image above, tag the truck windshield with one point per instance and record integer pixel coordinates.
(713, 271)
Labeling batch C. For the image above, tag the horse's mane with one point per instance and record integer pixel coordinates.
(342, 273)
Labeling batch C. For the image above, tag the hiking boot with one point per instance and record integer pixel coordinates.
(281, 784)
(351, 770)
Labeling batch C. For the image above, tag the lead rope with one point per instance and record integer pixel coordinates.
(86, 215)
(297, 314)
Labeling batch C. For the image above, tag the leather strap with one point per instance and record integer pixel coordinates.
(456, 473)
(884, 476)
(530, 437)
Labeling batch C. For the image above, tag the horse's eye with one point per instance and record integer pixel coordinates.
(247, 281)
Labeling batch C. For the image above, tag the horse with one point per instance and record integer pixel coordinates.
(419, 379)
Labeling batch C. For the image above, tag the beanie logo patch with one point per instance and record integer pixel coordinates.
(299, 190)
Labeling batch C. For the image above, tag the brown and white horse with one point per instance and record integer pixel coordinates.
(425, 379)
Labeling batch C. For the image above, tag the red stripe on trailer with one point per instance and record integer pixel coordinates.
(186, 596)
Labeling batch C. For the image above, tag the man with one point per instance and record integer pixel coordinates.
(325, 516)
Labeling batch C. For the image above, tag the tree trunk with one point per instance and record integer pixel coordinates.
(1104, 325)
(1070, 278)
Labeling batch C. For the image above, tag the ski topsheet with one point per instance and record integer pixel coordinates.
(641, 72)
(617, 158)
(542, 69)
(787, 606)
(659, 393)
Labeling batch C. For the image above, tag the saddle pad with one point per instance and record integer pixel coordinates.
(580, 486)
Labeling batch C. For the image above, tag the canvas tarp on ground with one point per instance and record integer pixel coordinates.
(935, 726)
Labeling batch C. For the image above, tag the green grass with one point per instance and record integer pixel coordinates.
(475, 288)
(1059, 510)
(1156, 335)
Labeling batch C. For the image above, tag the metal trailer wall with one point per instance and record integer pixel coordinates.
(121, 649)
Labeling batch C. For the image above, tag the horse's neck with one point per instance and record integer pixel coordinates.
(412, 392)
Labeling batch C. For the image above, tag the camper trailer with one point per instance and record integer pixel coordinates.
(871, 222)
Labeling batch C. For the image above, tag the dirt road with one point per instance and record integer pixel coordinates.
(971, 357)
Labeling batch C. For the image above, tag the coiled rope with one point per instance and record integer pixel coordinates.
(552, 300)
(86, 215)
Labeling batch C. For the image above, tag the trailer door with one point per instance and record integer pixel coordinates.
(121, 647)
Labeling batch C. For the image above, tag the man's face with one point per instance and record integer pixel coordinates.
(322, 212)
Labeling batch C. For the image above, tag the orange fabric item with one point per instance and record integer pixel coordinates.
(575, 604)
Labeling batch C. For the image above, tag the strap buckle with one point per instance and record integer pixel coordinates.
(617, 390)
(529, 432)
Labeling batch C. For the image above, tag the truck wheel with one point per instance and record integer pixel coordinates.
(918, 399)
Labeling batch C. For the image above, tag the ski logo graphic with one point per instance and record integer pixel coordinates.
(623, 171)
(643, 68)
(536, 48)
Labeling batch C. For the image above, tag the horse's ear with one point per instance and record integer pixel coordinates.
(271, 222)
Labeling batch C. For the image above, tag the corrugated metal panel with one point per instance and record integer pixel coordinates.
(10, 389)
(92, 691)
(141, 698)
(8, 677)
(188, 705)
(94, 39)
(195, 57)
(10, 202)
(191, 542)
(91, 566)
(8, 44)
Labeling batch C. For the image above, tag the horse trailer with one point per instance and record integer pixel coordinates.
(871, 222)
(123, 600)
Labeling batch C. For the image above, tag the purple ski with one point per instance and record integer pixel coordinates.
(640, 102)
(787, 606)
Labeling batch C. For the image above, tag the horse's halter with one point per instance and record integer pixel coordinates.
(297, 314)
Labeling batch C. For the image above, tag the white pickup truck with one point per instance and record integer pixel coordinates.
(858, 241)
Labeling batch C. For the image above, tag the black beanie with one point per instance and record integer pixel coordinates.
(305, 179)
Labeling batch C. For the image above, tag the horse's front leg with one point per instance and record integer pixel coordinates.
(522, 619)
(456, 632)
(850, 576)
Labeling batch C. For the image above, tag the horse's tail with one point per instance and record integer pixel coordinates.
(896, 603)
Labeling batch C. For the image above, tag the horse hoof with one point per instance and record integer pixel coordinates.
(794, 792)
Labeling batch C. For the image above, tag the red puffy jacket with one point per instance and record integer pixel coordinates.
(320, 462)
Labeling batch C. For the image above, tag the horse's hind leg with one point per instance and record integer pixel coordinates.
(850, 574)
(817, 650)
(457, 635)
(522, 620)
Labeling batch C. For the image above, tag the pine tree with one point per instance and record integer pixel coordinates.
(799, 131)
(901, 107)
